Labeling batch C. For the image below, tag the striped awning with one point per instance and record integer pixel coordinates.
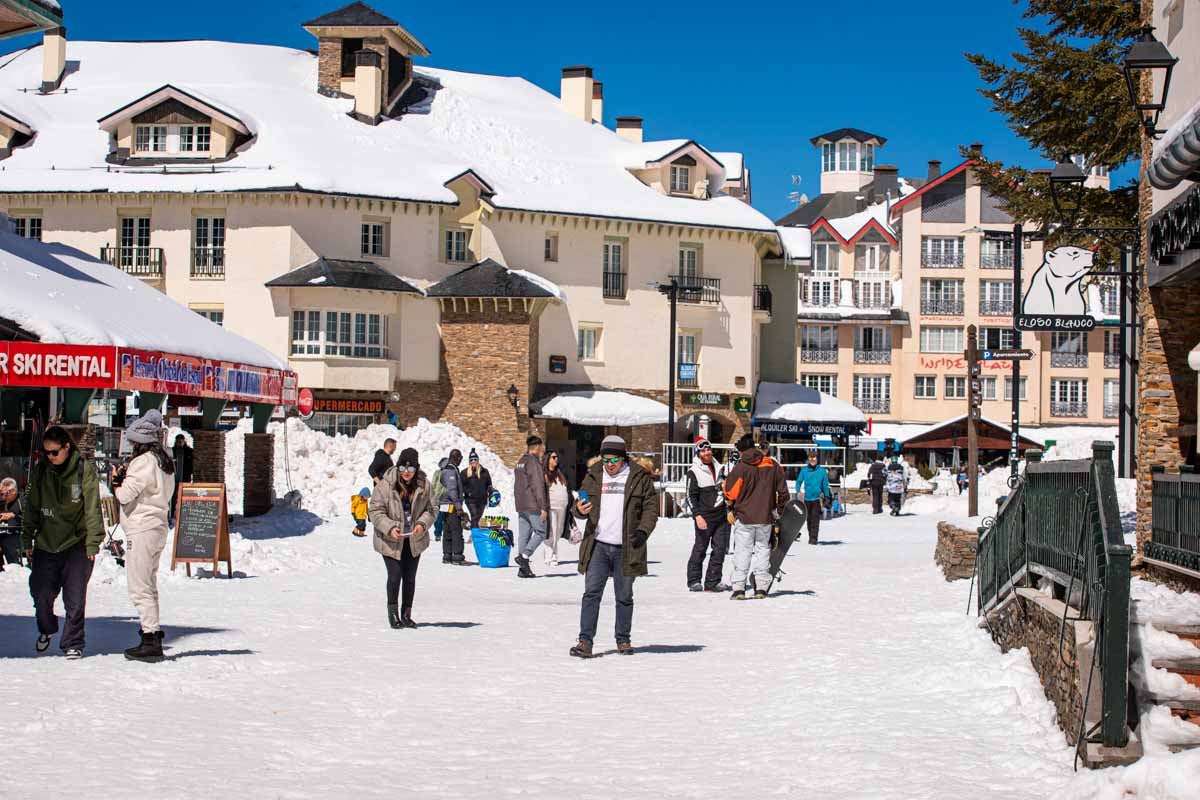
(1177, 154)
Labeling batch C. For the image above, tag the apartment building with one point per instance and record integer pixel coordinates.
(415, 241)
(900, 267)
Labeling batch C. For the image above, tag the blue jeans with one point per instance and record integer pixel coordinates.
(604, 564)
(531, 532)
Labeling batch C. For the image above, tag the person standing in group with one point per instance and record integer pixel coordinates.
(897, 485)
(532, 502)
(451, 506)
(812, 488)
(145, 493)
(559, 497)
(962, 480)
(711, 520)
(183, 457)
(382, 461)
(757, 492)
(621, 509)
(402, 512)
(10, 523)
(477, 487)
(61, 533)
(876, 478)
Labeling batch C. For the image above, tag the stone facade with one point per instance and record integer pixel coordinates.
(259, 475)
(208, 456)
(329, 67)
(955, 551)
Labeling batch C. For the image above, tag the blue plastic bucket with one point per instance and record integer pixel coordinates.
(490, 548)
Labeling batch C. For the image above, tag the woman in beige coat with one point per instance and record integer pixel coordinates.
(402, 513)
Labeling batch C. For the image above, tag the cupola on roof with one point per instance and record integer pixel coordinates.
(361, 15)
(848, 133)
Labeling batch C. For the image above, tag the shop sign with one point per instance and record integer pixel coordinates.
(807, 428)
(558, 365)
(338, 405)
(711, 399)
(63, 365)
(742, 404)
(1054, 298)
(164, 373)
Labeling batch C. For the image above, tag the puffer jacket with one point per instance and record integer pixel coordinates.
(704, 491)
(756, 488)
(386, 511)
(897, 482)
(529, 485)
(145, 496)
(452, 490)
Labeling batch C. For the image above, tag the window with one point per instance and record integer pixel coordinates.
(996, 252)
(941, 340)
(939, 296)
(589, 343)
(614, 257)
(374, 239)
(825, 257)
(995, 298)
(208, 246)
(689, 261)
(988, 386)
(1112, 397)
(871, 257)
(925, 387)
(456, 245)
(819, 337)
(687, 352)
(873, 393)
(1110, 299)
(942, 251)
(306, 333)
(135, 242)
(872, 338)
(175, 140)
(1112, 349)
(997, 339)
(1068, 397)
(1008, 389)
(826, 384)
(195, 138)
(550, 247)
(349, 61)
(820, 291)
(956, 387)
(1068, 349)
(867, 164)
(344, 424)
(215, 316)
(344, 334)
(150, 139)
(28, 227)
(828, 157)
(681, 180)
(847, 156)
(873, 293)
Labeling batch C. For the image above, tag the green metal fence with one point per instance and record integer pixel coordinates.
(1062, 522)
(1175, 520)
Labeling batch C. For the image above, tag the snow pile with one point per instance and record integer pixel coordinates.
(327, 470)
(1155, 777)
(602, 408)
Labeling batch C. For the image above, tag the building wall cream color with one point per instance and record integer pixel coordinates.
(1177, 25)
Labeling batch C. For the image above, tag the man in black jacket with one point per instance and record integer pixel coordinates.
(477, 487)
(382, 461)
(876, 478)
(710, 516)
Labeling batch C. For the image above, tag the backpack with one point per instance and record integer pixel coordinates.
(437, 491)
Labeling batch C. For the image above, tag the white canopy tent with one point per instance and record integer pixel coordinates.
(601, 408)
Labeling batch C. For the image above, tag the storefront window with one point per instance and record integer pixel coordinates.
(345, 424)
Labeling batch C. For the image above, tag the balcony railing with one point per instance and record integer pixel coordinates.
(698, 290)
(820, 300)
(208, 262)
(819, 356)
(995, 308)
(1112, 409)
(942, 260)
(762, 298)
(1074, 408)
(1112, 360)
(144, 262)
(688, 376)
(996, 260)
(1068, 359)
(872, 356)
(874, 405)
(933, 305)
(872, 295)
(614, 285)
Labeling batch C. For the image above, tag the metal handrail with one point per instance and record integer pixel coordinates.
(823, 355)
(614, 285)
(1068, 409)
(996, 308)
(933, 305)
(1175, 519)
(145, 262)
(208, 262)
(698, 290)
(1068, 359)
(873, 356)
(762, 297)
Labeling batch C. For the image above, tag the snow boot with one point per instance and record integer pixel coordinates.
(740, 594)
(149, 649)
(695, 587)
(720, 587)
(625, 648)
(406, 620)
(447, 559)
(74, 654)
(359, 533)
(761, 594)
(43, 643)
(582, 649)
(394, 618)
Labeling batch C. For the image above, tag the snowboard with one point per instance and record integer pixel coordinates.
(791, 524)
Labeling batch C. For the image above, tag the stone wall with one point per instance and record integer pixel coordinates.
(329, 67)
(208, 456)
(955, 551)
(84, 437)
(259, 474)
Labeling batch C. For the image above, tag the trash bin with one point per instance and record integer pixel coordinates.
(492, 547)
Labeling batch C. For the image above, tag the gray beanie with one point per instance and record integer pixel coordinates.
(146, 429)
(612, 446)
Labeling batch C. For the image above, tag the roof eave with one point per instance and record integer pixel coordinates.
(168, 91)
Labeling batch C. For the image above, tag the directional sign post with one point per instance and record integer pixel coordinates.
(1004, 355)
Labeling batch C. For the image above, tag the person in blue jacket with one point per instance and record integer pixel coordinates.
(812, 487)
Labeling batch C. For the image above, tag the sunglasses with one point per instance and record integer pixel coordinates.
(54, 453)
(611, 459)
(407, 468)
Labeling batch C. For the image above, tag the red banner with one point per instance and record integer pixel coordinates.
(63, 365)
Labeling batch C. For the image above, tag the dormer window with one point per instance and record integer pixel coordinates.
(151, 139)
(172, 139)
(170, 123)
(681, 178)
(195, 138)
(828, 157)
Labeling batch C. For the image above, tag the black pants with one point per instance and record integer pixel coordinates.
(10, 549)
(402, 571)
(895, 499)
(452, 536)
(716, 535)
(877, 499)
(813, 513)
(67, 572)
(476, 508)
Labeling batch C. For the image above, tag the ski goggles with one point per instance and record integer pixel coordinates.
(612, 459)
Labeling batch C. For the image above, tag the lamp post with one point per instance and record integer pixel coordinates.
(671, 290)
(1147, 55)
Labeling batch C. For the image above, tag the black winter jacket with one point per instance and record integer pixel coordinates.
(704, 491)
(877, 474)
(380, 464)
(476, 488)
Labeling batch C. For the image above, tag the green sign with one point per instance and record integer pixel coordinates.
(742, 404)
(711, 399)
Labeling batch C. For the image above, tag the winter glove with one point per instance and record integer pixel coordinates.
(639, 538)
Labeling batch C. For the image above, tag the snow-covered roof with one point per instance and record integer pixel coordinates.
(792, 402)
(64, 296)
(602, 408)
(797, 242)
(110, 121)
(490, 278)
(535, 155)
(734, 163)
(873, 216)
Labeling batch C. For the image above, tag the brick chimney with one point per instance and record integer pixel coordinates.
(630, 129)
(935, 169)
(886, 182)
(576, 92)
(975, 150)
(598, 103)
(54, 58)
(368, 86)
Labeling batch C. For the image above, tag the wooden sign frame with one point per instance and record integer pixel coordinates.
(222, 551)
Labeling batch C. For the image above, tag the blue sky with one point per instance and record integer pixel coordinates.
(760, 77)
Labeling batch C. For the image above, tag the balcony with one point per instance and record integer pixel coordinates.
(1112, 360)
(872, 356)
(698, 290)
(819, 301)
(874, 405)
(1068, 359)
(995, 308)
(614, 285)
(1068, 409)
(762, 297)
(937, 306)
(1112, 409)
(208, 262)
(824, 355)
(996, 260)
(144, 262)
(689, 376)
(942, 260)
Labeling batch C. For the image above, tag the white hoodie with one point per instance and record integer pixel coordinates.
(145, 496)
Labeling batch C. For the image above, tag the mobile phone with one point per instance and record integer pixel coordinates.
(583, 495)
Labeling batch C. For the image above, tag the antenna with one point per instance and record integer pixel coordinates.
(796, 180)
(795, 198)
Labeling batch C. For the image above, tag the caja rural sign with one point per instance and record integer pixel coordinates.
(1054, 298)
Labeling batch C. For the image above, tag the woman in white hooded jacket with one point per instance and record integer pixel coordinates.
(145, 496)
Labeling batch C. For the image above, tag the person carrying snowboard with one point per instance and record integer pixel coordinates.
(358, 510)
(812, 489)
(897, 484)
(477, 487)
(709, 515)
(452, 507)
(876, 479)
(756, 490)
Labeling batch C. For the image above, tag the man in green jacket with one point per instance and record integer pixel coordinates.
(621, 509)
(61, 534)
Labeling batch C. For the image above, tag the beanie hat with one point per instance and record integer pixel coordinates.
(701, 443)
(745, 443)
(364, 492)
(612, 446)
(473, 456)
(145, 429)
(409, 458)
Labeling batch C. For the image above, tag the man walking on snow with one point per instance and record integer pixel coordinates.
(757, 492)
(532, 502)
(876, 478)
(711, 520)
(453, 508)
(621, 509)
(812, 488)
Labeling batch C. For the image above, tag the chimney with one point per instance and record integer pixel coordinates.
(598, 103)
(887, 182)
(576, 92)
(368, 86)
(630, 129)
(54, 58)
(935, 169)
(975, 150)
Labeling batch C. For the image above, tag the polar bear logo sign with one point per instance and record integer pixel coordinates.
(1055, 297)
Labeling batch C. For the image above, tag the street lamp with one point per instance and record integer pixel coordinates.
(1066, 189)
(513, 394)
(671, 290)
(1148, 55)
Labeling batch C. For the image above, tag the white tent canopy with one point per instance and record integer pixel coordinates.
(792, 402)
(602, 408)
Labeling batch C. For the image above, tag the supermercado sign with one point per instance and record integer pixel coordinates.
(100, 367)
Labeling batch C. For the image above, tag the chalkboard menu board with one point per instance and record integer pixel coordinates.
(201, 528)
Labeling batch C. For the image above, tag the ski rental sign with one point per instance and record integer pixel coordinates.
(63, 365)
